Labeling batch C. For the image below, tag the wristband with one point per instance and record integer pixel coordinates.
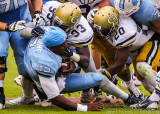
(81, 107)
(75, 57)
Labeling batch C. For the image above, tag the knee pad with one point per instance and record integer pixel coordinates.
(145, 70)
(3, 61)
(80, 81)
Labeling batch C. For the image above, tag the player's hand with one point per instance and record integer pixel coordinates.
(67, 67)
(97, 106)
(38, 19)
(37, 31)
(18, 25)
(90, 16)
(68, 53)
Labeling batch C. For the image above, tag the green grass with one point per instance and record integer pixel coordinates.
(14, 91)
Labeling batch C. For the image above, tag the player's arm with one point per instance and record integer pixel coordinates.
(119, 60)
(2, 26)
(81, 57)
(156, 25)
(37, 5)
(51, 89)
(84, 54)
(12, 27)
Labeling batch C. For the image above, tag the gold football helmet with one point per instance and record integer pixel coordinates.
(67, 16)
(106, 21)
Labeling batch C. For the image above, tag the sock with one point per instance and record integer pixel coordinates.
(27, 87)
(108, 87)
(155, 95)
(133, 89)
(1, 83)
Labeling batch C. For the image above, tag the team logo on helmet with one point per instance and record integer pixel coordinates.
(112, 19)
(75, 19)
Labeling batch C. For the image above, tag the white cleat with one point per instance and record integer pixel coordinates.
(21, 100)
(18, 80)
(133, 90)
(2, 106)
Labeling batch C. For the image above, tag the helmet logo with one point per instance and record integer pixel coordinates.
(74, 19)
(114, 18)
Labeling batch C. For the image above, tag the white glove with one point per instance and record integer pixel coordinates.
(90, 16)
(38, 19)
(156, 3)
(18, 25)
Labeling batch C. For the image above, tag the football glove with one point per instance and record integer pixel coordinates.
(68, 53)
(18, 25)
(37, 31)
(90, 16)
(38, 19)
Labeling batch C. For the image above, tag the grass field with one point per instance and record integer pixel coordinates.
(14, 91)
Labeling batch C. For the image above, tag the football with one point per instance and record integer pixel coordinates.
(63, 67)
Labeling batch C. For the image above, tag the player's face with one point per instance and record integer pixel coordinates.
(60, 49)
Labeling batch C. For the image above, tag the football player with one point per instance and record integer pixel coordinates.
(130, 38)
(13, 16)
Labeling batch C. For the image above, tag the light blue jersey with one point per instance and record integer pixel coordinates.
(146, 14)
(39, 59)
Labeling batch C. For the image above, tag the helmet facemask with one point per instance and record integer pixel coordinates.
(57, 22)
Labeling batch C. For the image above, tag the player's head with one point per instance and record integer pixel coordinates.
(67, 16)
(54, 38)
(127, 7)
(106, 21)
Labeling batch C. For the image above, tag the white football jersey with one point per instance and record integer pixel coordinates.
(130, 34)
(81, 35)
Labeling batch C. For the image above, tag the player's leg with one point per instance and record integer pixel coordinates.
(4, 39)
(89, 80)
(96, 57)
(147, 70)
